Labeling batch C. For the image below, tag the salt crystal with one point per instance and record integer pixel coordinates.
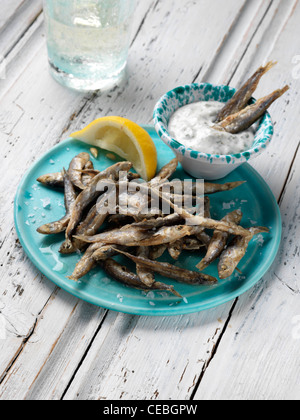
(46, 203)
(52, 162)
(152, 303)
(260, 240)
(105, 280)
(185, 300)
(164, 295)
(120, 297)
(227, 206)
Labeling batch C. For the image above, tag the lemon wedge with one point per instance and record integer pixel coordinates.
(124, 138)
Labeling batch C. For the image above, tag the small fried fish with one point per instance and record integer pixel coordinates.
(244, 119)
(219, 240)
(244, 94)
(77, 164)
(55, 180)
(125, 276)
(70, 198)
(231, 257)
(173, 272)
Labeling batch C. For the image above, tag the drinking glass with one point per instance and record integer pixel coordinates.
(88, 41)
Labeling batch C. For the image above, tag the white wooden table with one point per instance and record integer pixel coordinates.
(53, 346)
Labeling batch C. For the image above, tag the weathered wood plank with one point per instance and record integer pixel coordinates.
(8, 9)
(51, 355)
(20, 19)
(256, 17)
(148, 358)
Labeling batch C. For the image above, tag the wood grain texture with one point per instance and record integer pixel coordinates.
(18, 22)
(148, 345)
(8, 10)
(60, 348)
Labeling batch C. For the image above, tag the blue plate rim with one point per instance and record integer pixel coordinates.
(175, 310)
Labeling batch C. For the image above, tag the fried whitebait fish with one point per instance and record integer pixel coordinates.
(70, 198)
(244, 119)
(231, 257)
(125, 276)
(168, 270)
(143, 237)
(55, 180)
(77, 164)
(241, 98)
(219, 240)
(90, 193)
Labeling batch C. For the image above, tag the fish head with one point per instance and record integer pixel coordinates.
(225, 270)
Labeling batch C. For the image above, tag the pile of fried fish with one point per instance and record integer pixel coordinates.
(101, 230)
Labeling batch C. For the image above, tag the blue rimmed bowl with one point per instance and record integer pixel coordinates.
(200, 164)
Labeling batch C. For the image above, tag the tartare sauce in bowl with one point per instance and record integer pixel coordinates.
(192, 126)
(183, 118)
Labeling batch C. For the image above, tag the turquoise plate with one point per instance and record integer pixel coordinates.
(36, 205)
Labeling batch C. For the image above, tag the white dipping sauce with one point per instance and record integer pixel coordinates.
(192, 124)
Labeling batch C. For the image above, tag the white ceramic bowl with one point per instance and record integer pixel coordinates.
(199, 164)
